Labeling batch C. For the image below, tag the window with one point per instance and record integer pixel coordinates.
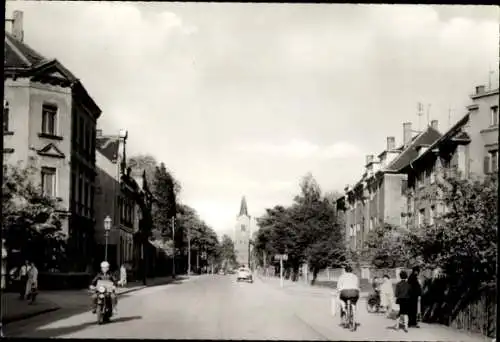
(371, 224)
(404, 186)
(432, 214)
(433, 175)
(494, 115)
(49, 181)
(420, 180)
(421, 217)
(49, 119)
(243, 228)
(491, 162)
(5, 116)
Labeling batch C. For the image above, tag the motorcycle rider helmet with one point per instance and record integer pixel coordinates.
(104, 266)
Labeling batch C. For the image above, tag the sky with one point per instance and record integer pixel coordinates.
(245, 99)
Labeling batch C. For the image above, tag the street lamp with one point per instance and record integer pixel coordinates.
(107, 228)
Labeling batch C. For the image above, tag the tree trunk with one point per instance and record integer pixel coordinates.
(315, 275)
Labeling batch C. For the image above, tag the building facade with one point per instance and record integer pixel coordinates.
(118, 196)
(49, 120)
(469, 149)
(379, 196)
(242, 234)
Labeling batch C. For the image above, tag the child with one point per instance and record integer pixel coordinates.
(386, 294)
(403, 290)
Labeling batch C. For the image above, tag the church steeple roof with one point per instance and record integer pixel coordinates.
(243, 207)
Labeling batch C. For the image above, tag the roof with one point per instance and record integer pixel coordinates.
(427, 137)
(20, 55)
(108, 146)
(446, 136)
(243, 207)
(20, 59)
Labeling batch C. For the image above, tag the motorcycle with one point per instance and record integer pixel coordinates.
(104, 309)
(373, 302)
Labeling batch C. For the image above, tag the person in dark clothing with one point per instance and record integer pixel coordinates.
(403, 295)
(416, 292)
(104, 275)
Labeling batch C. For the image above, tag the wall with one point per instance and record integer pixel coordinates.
(26, 99)
(480, 122)
(105, 198)
(394, 200)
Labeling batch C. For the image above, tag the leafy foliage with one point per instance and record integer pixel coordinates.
(308, 230)
(31, 223)
(463, 240)
(166, 203)
(227, 252)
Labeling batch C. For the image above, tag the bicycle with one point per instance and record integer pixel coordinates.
(349, 316)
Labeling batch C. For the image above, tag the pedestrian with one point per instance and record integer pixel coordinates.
(23, 279)
(403, 293)
(123, 276)
(32, 281)
(415, 294)
(386, 293)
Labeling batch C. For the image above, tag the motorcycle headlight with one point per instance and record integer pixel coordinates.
(102, 289)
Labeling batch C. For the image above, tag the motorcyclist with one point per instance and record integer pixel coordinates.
(104, 275)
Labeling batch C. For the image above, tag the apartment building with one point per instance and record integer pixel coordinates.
(379, 197)
(468, 149)
(49, 120)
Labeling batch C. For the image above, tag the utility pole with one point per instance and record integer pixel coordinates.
(189, 251)
(173, 247)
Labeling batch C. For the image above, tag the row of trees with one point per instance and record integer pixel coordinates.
(308, 231)
(175, 222)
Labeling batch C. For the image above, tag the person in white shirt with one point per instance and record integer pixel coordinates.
(387, 294)
(348, 288)
(32, 281)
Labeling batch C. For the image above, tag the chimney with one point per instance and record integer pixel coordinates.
(17, 25)
(98, 133)
(434, 124)
(407, 135)
(369, 159)
(391, 143)
(480, 89)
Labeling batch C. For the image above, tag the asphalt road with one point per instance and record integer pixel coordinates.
(217, 307)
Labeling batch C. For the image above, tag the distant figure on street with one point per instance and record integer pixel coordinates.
(403, 294)
(416, 292)
(32, 281)
(123, 276)
(23, 279)
(386, 293)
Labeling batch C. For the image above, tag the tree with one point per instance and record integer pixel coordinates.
(166, 203)
(144, 162)
(463, 240)
(386, 247)
(227, 252)
(30, 221)
(308, 230)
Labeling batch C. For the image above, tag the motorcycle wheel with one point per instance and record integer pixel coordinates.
(99, 317)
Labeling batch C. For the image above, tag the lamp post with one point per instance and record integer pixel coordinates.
(107, 228)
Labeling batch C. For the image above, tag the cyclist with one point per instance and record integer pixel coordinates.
(348, 288)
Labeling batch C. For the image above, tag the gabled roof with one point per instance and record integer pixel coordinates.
(20, 55)
(22, 60)
(453, 132)
(427, 137)
(108, 146)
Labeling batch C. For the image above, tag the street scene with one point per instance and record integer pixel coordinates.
(250, 171)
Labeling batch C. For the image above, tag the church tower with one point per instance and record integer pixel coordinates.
(242, 235)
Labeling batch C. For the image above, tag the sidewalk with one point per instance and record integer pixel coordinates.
(14, 309)
(312, 305)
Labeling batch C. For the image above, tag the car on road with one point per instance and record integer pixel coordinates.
(244, 274)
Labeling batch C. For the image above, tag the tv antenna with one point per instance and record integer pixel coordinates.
(428, 114)
(420, 112)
